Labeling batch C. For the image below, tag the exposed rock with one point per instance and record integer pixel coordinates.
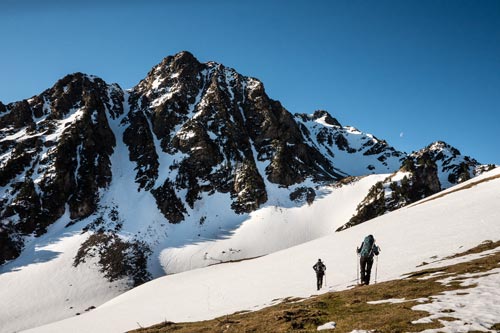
(11, 243)
(55, 163)
(453, 167)
(139, 139)
(342, 143)
(116, 258)
(328, 119)
(19, 115)
(168, 202)
(420, 180)
(249, 188)
(303, 194)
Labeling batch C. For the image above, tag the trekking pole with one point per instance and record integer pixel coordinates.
(376, 269)
(357, 269)
(325, 279)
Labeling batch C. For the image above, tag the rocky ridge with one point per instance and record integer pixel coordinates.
(423, 173)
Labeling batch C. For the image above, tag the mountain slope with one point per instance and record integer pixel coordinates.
(422, 174)
(191, 131)
(193, 166)
(269, 229)
(55, 151)
(437, 228)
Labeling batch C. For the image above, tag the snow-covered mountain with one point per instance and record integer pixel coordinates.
(187, 132)
(350, 150)
(102, 189)
(422, 174)
(452, 167)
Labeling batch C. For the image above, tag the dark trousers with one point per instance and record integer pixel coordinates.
(366, 268)
(319, 280)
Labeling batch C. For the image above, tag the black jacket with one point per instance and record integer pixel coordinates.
(319, 267)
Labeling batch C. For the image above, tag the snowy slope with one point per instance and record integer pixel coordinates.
(272, 228)
(42, 286)
(457, 219)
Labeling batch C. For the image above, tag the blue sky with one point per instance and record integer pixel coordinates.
(409, 72)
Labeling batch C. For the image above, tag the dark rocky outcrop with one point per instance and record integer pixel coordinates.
(450, 162)
(19, 115)
(303, 194)
(222, 124)
(56, 162)
(139, 139)
(169, 203)
(422, 179)
(116, 257)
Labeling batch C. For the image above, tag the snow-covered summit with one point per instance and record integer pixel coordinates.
(351, 151)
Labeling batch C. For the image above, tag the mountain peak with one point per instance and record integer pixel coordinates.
(327, 118)
(179, 63)
(79, 79)
(320, 116)
(439, 147)
(183, 58)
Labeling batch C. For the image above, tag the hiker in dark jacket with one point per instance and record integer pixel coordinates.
(320, 269)
(366, 252)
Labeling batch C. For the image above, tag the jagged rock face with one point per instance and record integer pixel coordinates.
(220, 126)
(453, 168)
(117, 258)
(423, 173)
(425, 177)
(55, 151)
(413, 182)
(343, 145)
(418, 178)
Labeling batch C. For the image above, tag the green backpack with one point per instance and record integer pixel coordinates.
(367, 247)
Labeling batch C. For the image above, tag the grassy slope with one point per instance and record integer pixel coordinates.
(348, 308)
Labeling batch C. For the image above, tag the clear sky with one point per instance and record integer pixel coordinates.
(410, 72)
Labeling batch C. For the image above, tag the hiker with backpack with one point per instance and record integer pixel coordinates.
(320, 269)
(366, 252)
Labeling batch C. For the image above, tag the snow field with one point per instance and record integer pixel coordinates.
(409, 236)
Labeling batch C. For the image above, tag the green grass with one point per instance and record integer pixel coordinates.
(348, 308)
